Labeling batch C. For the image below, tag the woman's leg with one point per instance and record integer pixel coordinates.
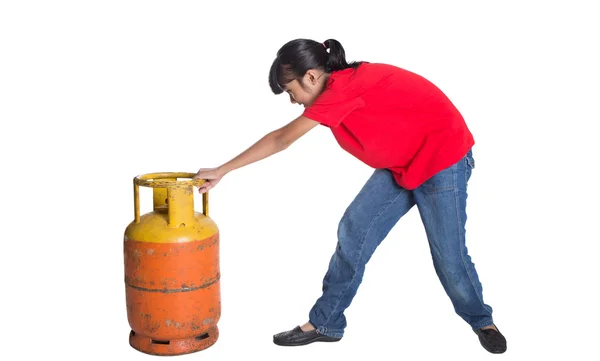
(442, 205)
(366, 222)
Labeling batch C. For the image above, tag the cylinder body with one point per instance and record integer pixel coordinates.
(172, 276)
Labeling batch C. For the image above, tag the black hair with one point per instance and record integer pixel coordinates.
(296, 57)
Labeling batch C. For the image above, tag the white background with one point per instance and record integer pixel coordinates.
(95, 93)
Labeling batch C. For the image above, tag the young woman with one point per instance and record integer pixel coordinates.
(404, 127)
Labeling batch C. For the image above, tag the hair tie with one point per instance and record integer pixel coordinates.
(325, 46)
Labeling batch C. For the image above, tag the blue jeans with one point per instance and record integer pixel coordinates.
(379, 205)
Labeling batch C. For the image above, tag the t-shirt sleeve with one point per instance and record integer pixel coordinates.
(331, 107)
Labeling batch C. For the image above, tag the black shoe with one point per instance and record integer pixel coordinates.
(297, 337)
(492, 340)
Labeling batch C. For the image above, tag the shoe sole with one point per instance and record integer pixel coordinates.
(318, 339)
(493, 351)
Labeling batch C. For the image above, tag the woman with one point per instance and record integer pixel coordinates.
(420, 146)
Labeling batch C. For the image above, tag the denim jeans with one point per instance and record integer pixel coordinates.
(379, 205)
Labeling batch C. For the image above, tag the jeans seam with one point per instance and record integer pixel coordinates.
(462, 240)
(362, 246)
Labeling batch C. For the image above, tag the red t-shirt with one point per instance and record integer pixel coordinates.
(389, 117)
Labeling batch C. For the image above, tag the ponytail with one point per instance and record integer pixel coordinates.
(296, 57)
(337, 57)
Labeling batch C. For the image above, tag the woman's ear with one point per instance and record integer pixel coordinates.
(311, 76)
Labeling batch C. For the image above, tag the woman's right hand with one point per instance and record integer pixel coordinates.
(212, 177)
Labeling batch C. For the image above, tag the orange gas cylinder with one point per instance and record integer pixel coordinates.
(172, 269)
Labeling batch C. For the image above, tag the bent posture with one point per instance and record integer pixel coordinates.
(420, 147)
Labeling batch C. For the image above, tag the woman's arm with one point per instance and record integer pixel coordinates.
(272, 143)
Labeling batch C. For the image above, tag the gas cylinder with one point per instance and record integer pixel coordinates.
(172, 272)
